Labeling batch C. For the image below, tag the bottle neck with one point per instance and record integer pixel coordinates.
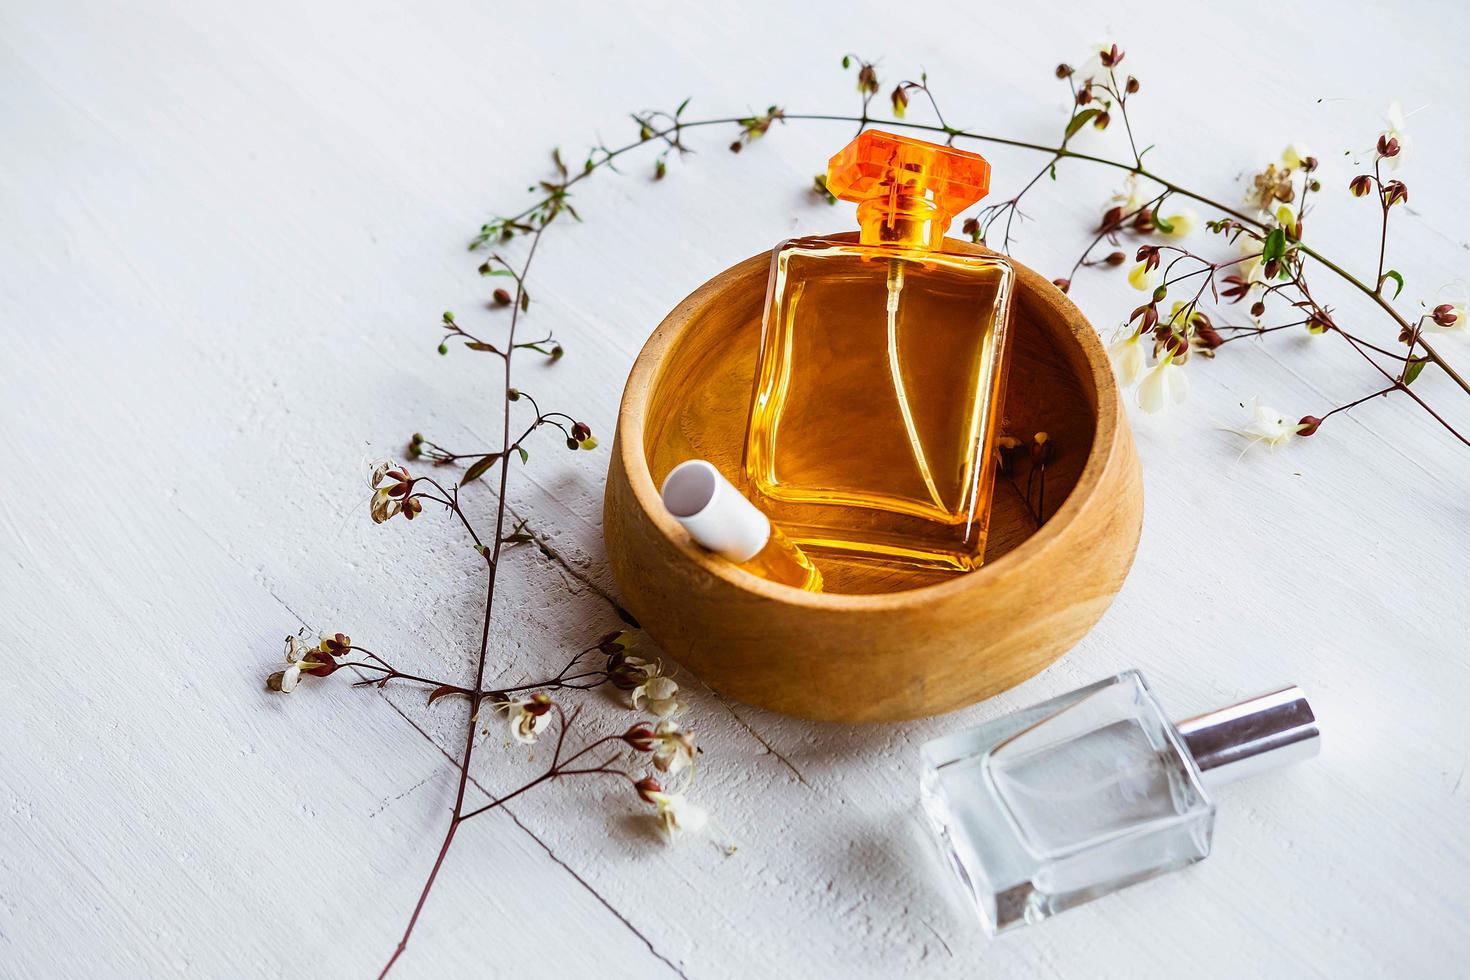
(1252, 737)
(901, 219)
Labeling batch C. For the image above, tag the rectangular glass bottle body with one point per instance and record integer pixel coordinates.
(1066, 802)
(876, 400)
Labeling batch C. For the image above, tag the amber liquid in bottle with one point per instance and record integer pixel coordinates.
(881, 376)
(781, 561)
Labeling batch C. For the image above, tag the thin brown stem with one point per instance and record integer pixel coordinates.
(491, 575)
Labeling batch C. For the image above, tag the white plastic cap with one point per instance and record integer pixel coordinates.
(713, 512)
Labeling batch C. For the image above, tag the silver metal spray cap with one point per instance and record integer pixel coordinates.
(1252, 737)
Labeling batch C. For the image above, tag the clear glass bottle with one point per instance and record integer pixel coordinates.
(1087, 793)
(882, 367)
(718, 518)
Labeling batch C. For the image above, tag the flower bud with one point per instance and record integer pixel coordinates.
(1309, 424)
(1132, 86)
(1063, 284)
(1101, 120)
(971, 227)
(1395, 192)
(501, 297)
(581, 430)
(1064, 71)
(1445, 315)
(1111, 217)
(1257, 308)
(900, 100)
(647, 787)
(1116, 258)
(614, 642)
(1388, 146)
(1361, 185)
(640, 737)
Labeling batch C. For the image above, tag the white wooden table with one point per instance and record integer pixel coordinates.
(226, 232)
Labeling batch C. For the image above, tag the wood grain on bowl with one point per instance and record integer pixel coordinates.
(880, 644)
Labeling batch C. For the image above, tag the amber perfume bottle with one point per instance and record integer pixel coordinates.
(882, 368)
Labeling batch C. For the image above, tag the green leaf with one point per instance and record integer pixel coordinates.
(479, 469)
(1413, 371)
(1080, 120)
(1274, 246)
(478, 345)
(499, 272)
(682, 106)
(1162, 223)
(524, 455)
(846, 62)
(1393, 274)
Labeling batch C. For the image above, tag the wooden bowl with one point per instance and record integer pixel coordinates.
(877, 646)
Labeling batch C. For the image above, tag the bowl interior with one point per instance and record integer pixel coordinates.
(700, 395)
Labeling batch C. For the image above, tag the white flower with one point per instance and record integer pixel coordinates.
(659, 696)
(1129, 199)
(1093, 69)
(1144, 279)
(301, 657)
(673, 750)
(527, 718)
(677, 815)
(1252, 269)
(296, 654)
(1164, 385)
(1128, 356)
(1269, 426)
(1294, 156)
(1180, 224)
(1394, 118)
(391, 485)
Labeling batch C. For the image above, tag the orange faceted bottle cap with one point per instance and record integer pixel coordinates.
(907, 190)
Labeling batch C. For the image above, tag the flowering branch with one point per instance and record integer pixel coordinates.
(1275, 259)
(396, 492)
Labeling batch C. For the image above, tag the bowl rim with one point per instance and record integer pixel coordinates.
(631, 427)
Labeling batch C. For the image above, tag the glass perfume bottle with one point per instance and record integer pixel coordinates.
(882, 367)
(1085, 794)
(717, 517)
